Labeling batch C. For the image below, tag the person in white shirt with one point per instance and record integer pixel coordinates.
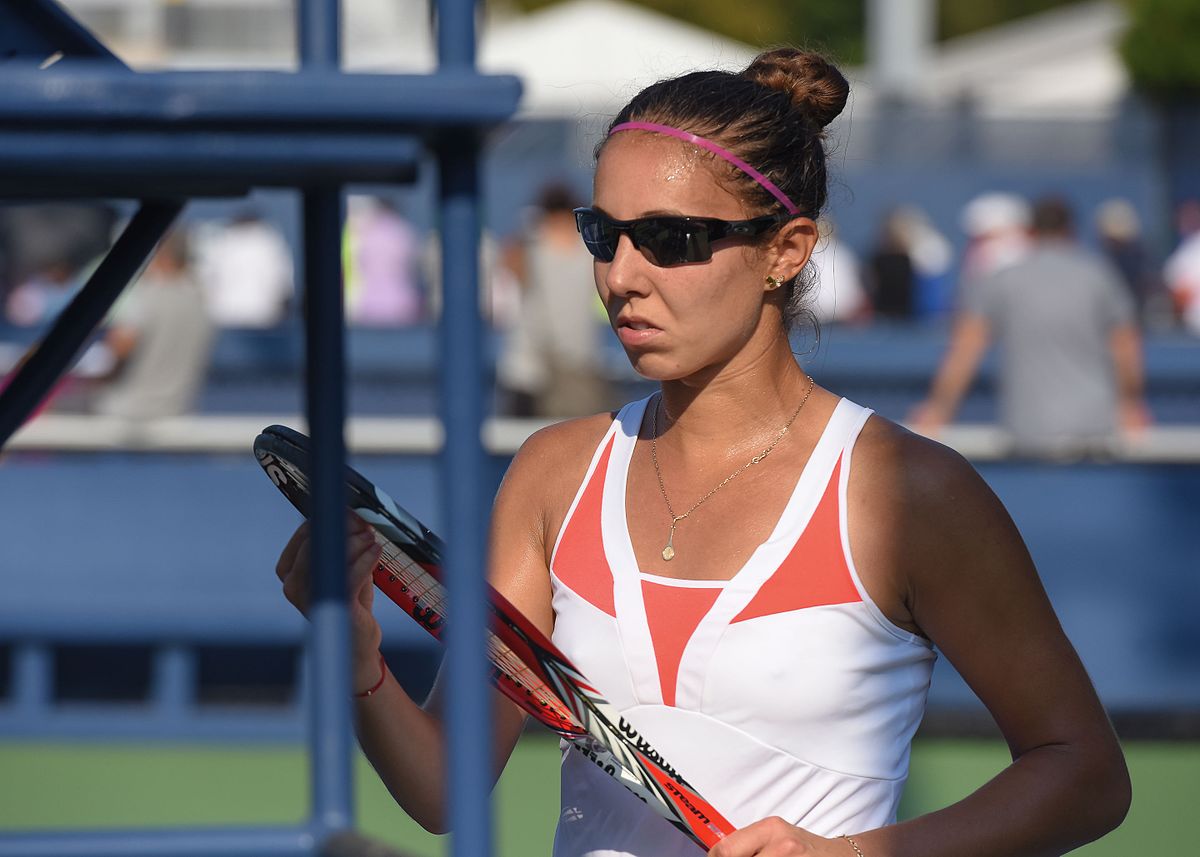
(246, 270)
(1182, 268)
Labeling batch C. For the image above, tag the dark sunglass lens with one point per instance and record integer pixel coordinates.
(673, 241)
(598, 235)
(698, 247)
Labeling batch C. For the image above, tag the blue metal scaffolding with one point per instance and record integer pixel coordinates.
(77, 123)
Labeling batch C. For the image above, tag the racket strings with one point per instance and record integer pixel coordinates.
(417, 583)
(563, 711)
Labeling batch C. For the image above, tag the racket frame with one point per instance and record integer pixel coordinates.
(526, 666)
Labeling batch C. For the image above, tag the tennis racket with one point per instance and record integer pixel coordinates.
(526, 666)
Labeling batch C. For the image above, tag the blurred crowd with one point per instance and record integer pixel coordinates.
(537, 294)
(912, 272)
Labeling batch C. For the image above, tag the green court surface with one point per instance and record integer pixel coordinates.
(101, 785)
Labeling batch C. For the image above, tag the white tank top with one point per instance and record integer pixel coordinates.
(783, 691)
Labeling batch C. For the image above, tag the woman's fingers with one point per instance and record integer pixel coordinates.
(362, 584)
(296, 588)
(297, 546)
(362, 555)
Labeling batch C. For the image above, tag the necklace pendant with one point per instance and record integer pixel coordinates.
(668, 553)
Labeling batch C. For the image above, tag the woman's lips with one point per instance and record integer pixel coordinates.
(635, 333)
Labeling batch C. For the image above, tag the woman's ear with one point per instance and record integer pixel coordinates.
(793, 246)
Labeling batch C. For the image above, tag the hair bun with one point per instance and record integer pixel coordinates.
(813, 82)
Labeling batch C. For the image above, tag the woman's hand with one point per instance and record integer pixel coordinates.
(362, 554)
(774, 837)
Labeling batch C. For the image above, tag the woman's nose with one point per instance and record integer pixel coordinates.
(626, 273)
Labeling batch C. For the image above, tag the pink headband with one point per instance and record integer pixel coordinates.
(716, 150)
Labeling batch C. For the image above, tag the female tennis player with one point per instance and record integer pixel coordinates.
(757, 572)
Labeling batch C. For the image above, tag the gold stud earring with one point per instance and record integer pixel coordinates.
(773, 284)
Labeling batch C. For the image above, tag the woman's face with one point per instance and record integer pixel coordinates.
(678, 321)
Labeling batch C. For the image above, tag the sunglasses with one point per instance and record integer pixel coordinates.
(667, 241)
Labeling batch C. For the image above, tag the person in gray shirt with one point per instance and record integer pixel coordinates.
(161, 336)
(1070, 371)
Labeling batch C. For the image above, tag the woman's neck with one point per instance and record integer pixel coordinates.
(736, 405)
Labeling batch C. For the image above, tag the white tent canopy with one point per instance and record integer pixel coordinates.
(577, 59)
(1060, 63)
(587, 57)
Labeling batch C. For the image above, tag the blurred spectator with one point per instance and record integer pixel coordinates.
(499, 289)
(1182, 268)
(932, 258)
(160, 336)
(51, 240)
(1071, 364)
(997, 228)
(890, 275)
(382, 258)
(552, 363)
(1120, 232)
(840, 296)
(39, 298)
(246, 271)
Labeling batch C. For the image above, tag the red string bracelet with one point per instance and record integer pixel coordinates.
(382, 675)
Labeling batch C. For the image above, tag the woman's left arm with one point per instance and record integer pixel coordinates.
(940, 555)
(970, 585)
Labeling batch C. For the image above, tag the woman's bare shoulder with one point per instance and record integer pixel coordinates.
(911, 467)
(932, 500)
(549, 467)
(563, 442)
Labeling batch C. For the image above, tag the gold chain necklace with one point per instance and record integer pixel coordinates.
(668, 552)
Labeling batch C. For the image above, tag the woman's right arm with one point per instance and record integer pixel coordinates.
(400, 738)
(403, 739)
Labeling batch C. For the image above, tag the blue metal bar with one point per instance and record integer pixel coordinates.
(285, 725)
(456, 35)
(246, 101)
(55, 353)
(174, 681)
(197, 842)
(200, 163)
(464, 461)
(33, 678)
(469, 738)
(463, 467)
(319, 30)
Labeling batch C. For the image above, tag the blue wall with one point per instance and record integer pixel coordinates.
(111, 548)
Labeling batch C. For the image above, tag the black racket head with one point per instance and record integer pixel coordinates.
(285, 455)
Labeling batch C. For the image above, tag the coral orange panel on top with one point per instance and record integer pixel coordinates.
(580, 561)
(815, 572)
(673, 612)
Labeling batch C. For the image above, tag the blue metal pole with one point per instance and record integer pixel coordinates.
(70, 331)
(175, 842)
(319, 31)
(456, 35)
(463, 463)
(461, 356)
(331, 739)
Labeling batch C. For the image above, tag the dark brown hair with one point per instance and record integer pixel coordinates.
(1052, 216)
(771, 115)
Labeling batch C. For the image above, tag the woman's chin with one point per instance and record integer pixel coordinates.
(652, 367)
(658, 368)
